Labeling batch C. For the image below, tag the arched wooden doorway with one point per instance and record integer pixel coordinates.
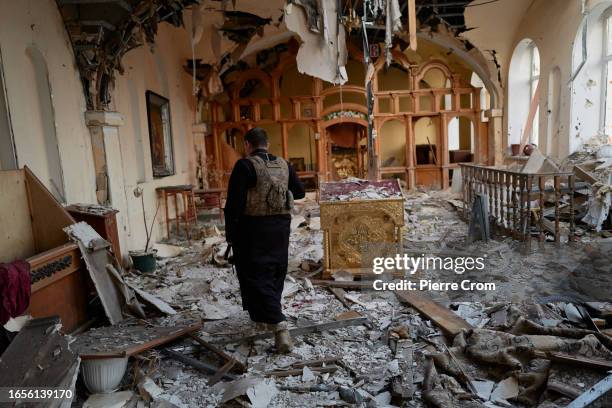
(346, 149)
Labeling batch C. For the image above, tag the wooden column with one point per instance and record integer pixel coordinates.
(216, 148)
(443, 155)
(495, 137)
(284, 140)
(409, 151)
(276, 113)
(478, 150)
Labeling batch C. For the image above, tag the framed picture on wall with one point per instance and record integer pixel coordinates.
(160, 134)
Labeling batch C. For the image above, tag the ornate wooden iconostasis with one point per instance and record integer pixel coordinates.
(427, 119)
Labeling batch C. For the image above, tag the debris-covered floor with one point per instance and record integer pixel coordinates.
(389, 354)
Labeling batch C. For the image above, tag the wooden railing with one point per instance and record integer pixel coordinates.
(516, 200)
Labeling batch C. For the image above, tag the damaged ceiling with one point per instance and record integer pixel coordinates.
(224, 33)
(102, 31)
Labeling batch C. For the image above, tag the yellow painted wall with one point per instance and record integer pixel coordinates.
(275, 138)
(392, 139)
(426, 128)
(301, 143)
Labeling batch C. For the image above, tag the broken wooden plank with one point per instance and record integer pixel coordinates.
(128, 294)
(299, 371)
(349, 314)
(574, 360)
(563, 389)
(197, 364)
(217, 351)
(468, 380)
(584, 175)
(221, 372)
(339, 293)
(121, 340)
(449, 322)
(40, 356)
(153, 300)
(299, 331)
(96, 260)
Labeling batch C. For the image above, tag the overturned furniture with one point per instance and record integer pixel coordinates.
(517, 201)
(358, 218)
(32, 221)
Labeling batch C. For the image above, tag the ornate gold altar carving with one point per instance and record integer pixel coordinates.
(345, 166)
(349, 226)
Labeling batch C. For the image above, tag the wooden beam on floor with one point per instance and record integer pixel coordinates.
(449, 322)
(575, 360)
(299, 371)
(339, 293)
(198, 365)
(217, 351)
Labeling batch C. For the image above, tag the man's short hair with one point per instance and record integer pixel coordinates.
(257, 137)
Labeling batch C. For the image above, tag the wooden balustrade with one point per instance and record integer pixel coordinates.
(516, 201)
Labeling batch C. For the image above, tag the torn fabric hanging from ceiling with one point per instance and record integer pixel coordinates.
(393, 24)
(323, 51)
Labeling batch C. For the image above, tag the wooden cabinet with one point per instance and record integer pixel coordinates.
(102, 219)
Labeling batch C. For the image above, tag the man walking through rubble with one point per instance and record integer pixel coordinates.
(257, 224)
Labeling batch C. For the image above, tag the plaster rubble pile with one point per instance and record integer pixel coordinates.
(398, 357)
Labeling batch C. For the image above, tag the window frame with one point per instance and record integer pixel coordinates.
(169, 169)
(534, 80)
(606, 58)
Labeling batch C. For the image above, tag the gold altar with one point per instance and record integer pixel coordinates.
(356, 214)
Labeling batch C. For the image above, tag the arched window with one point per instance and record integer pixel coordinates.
(591, 94)
(534, 79)
(607, 73)
(523, 80)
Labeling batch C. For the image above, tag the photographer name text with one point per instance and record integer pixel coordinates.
(428, 284)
